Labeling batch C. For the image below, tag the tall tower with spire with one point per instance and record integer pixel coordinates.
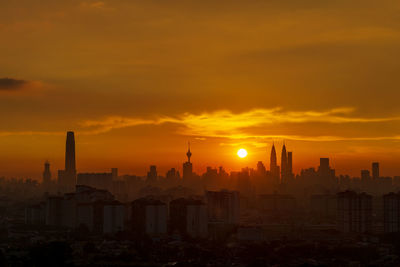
(273, 166)
(187, 166)
(284, 164)
(189, 154)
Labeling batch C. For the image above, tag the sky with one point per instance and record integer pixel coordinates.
(138, 80)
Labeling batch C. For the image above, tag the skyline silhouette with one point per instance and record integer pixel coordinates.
(199, 133)
(320, 75)
(284, 171)
(277, 177)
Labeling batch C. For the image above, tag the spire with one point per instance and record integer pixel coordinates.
(273, 151)
(273, 162)
(189, 154)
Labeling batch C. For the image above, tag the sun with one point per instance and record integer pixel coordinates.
(242, 153)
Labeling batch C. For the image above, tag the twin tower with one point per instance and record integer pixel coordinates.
(284, 174)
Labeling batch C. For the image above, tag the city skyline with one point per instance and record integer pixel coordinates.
(199, 133)
(139, 79)
(280, 171)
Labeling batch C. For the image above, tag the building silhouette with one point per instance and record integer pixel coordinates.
(67, 177)
(223, 206)
(327, 176)
(290, 164)
(391, 213)
(102, 181)
(273, 167)
(375, 170)
(187, 167)
(152, 175)
(354, 212)
(172, 177)
(274, 204)
(365, 176)
(114, 214)
(188, 217)
(83, 207)
(284, 164)
(149, 217)
(46, 176)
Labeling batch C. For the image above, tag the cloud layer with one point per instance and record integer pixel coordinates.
(226, 124)
(9, 84)
(253, 125)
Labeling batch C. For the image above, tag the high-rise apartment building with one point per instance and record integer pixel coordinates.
(354, 212)
(375, 170)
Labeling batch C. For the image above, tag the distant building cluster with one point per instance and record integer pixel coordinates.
(97, 211)
(248, 181)
(204, 205)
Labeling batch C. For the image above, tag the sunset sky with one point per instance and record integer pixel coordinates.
(137, 80)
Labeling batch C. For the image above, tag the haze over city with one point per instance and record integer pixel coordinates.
(199, 133)
(137, 80)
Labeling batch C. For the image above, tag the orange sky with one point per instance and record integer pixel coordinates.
(136, 80)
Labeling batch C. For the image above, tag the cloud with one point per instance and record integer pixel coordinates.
(29, 133)
(115, 122)
(226, 124)
(238, 127)
(94, 5)
(9, 84)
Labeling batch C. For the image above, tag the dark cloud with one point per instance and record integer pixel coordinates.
(8, 84)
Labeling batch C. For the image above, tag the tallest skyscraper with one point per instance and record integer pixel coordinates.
(67, 177)
(70, 166)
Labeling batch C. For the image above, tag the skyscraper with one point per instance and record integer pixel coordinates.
(152, 174)
(187, 166)
(290, 163)
(354, 212)
(70, 167)
(261, 168)
(273, 167)
(324, 167)
(273, 164)
(284, 163)
(46, 176)
(365, 176)
(375, 170)
(327, 176)
(67, 177)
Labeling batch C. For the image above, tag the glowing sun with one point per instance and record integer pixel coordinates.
(242, 153)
